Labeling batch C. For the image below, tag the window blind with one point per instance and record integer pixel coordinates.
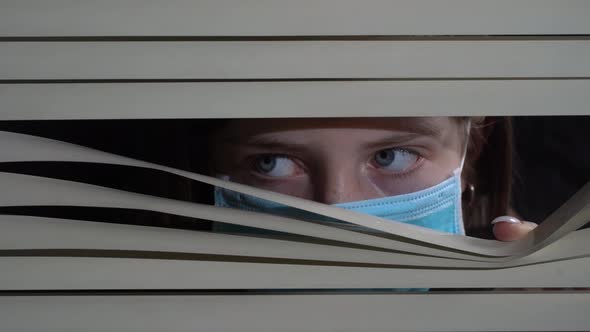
(130, 59)
(62, 18)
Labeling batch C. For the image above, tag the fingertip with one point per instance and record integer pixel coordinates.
(507, 231)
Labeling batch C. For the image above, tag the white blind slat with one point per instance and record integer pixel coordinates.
(318, 313)
(292, 99)
(284, 17)
(34, 233)
(38, 191)
(293, 59)
(79, 273)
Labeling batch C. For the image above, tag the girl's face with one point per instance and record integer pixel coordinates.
(339, 160)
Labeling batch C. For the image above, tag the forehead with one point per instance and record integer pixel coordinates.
(431, 126)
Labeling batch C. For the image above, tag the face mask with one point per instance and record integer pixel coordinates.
(437, 207)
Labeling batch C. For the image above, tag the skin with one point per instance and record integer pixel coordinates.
(504, 231)
(342, 160)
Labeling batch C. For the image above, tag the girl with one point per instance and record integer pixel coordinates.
(452, 174)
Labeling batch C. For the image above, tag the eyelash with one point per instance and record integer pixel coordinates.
(411, 170)
(251, 161)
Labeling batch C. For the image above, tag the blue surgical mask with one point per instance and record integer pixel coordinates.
(437, 207)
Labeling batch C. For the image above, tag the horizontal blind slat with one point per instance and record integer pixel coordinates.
(284, 17)
(325, 312)
(79, 273)
(292, 59)
(26, 233)
(39, 191)
(293, 99)
(19, 233)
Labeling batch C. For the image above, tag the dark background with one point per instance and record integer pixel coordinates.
(551, 162)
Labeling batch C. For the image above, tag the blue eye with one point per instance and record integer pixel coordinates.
(397, 160)
(275, 166)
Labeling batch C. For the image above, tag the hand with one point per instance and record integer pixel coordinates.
(510, 229)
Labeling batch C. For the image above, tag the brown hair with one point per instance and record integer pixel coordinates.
(488, 170)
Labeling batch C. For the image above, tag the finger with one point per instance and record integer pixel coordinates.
(510, 229)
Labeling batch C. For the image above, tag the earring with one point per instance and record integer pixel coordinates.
(471, 198)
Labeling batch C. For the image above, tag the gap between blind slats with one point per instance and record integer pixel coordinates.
(294, 59)
(284, 17)
(79, 273)
(18, 147)
(25, 233)
(318, 313)
(293, 99)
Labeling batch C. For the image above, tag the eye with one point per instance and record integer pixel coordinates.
(275, 166)
(396, 160)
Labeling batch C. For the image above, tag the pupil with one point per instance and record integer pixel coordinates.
(267, 163)
(384, 158)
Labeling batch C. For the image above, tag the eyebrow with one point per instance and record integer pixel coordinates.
(267, 143)
(395, 139)
(422, 127)
(411, 129)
